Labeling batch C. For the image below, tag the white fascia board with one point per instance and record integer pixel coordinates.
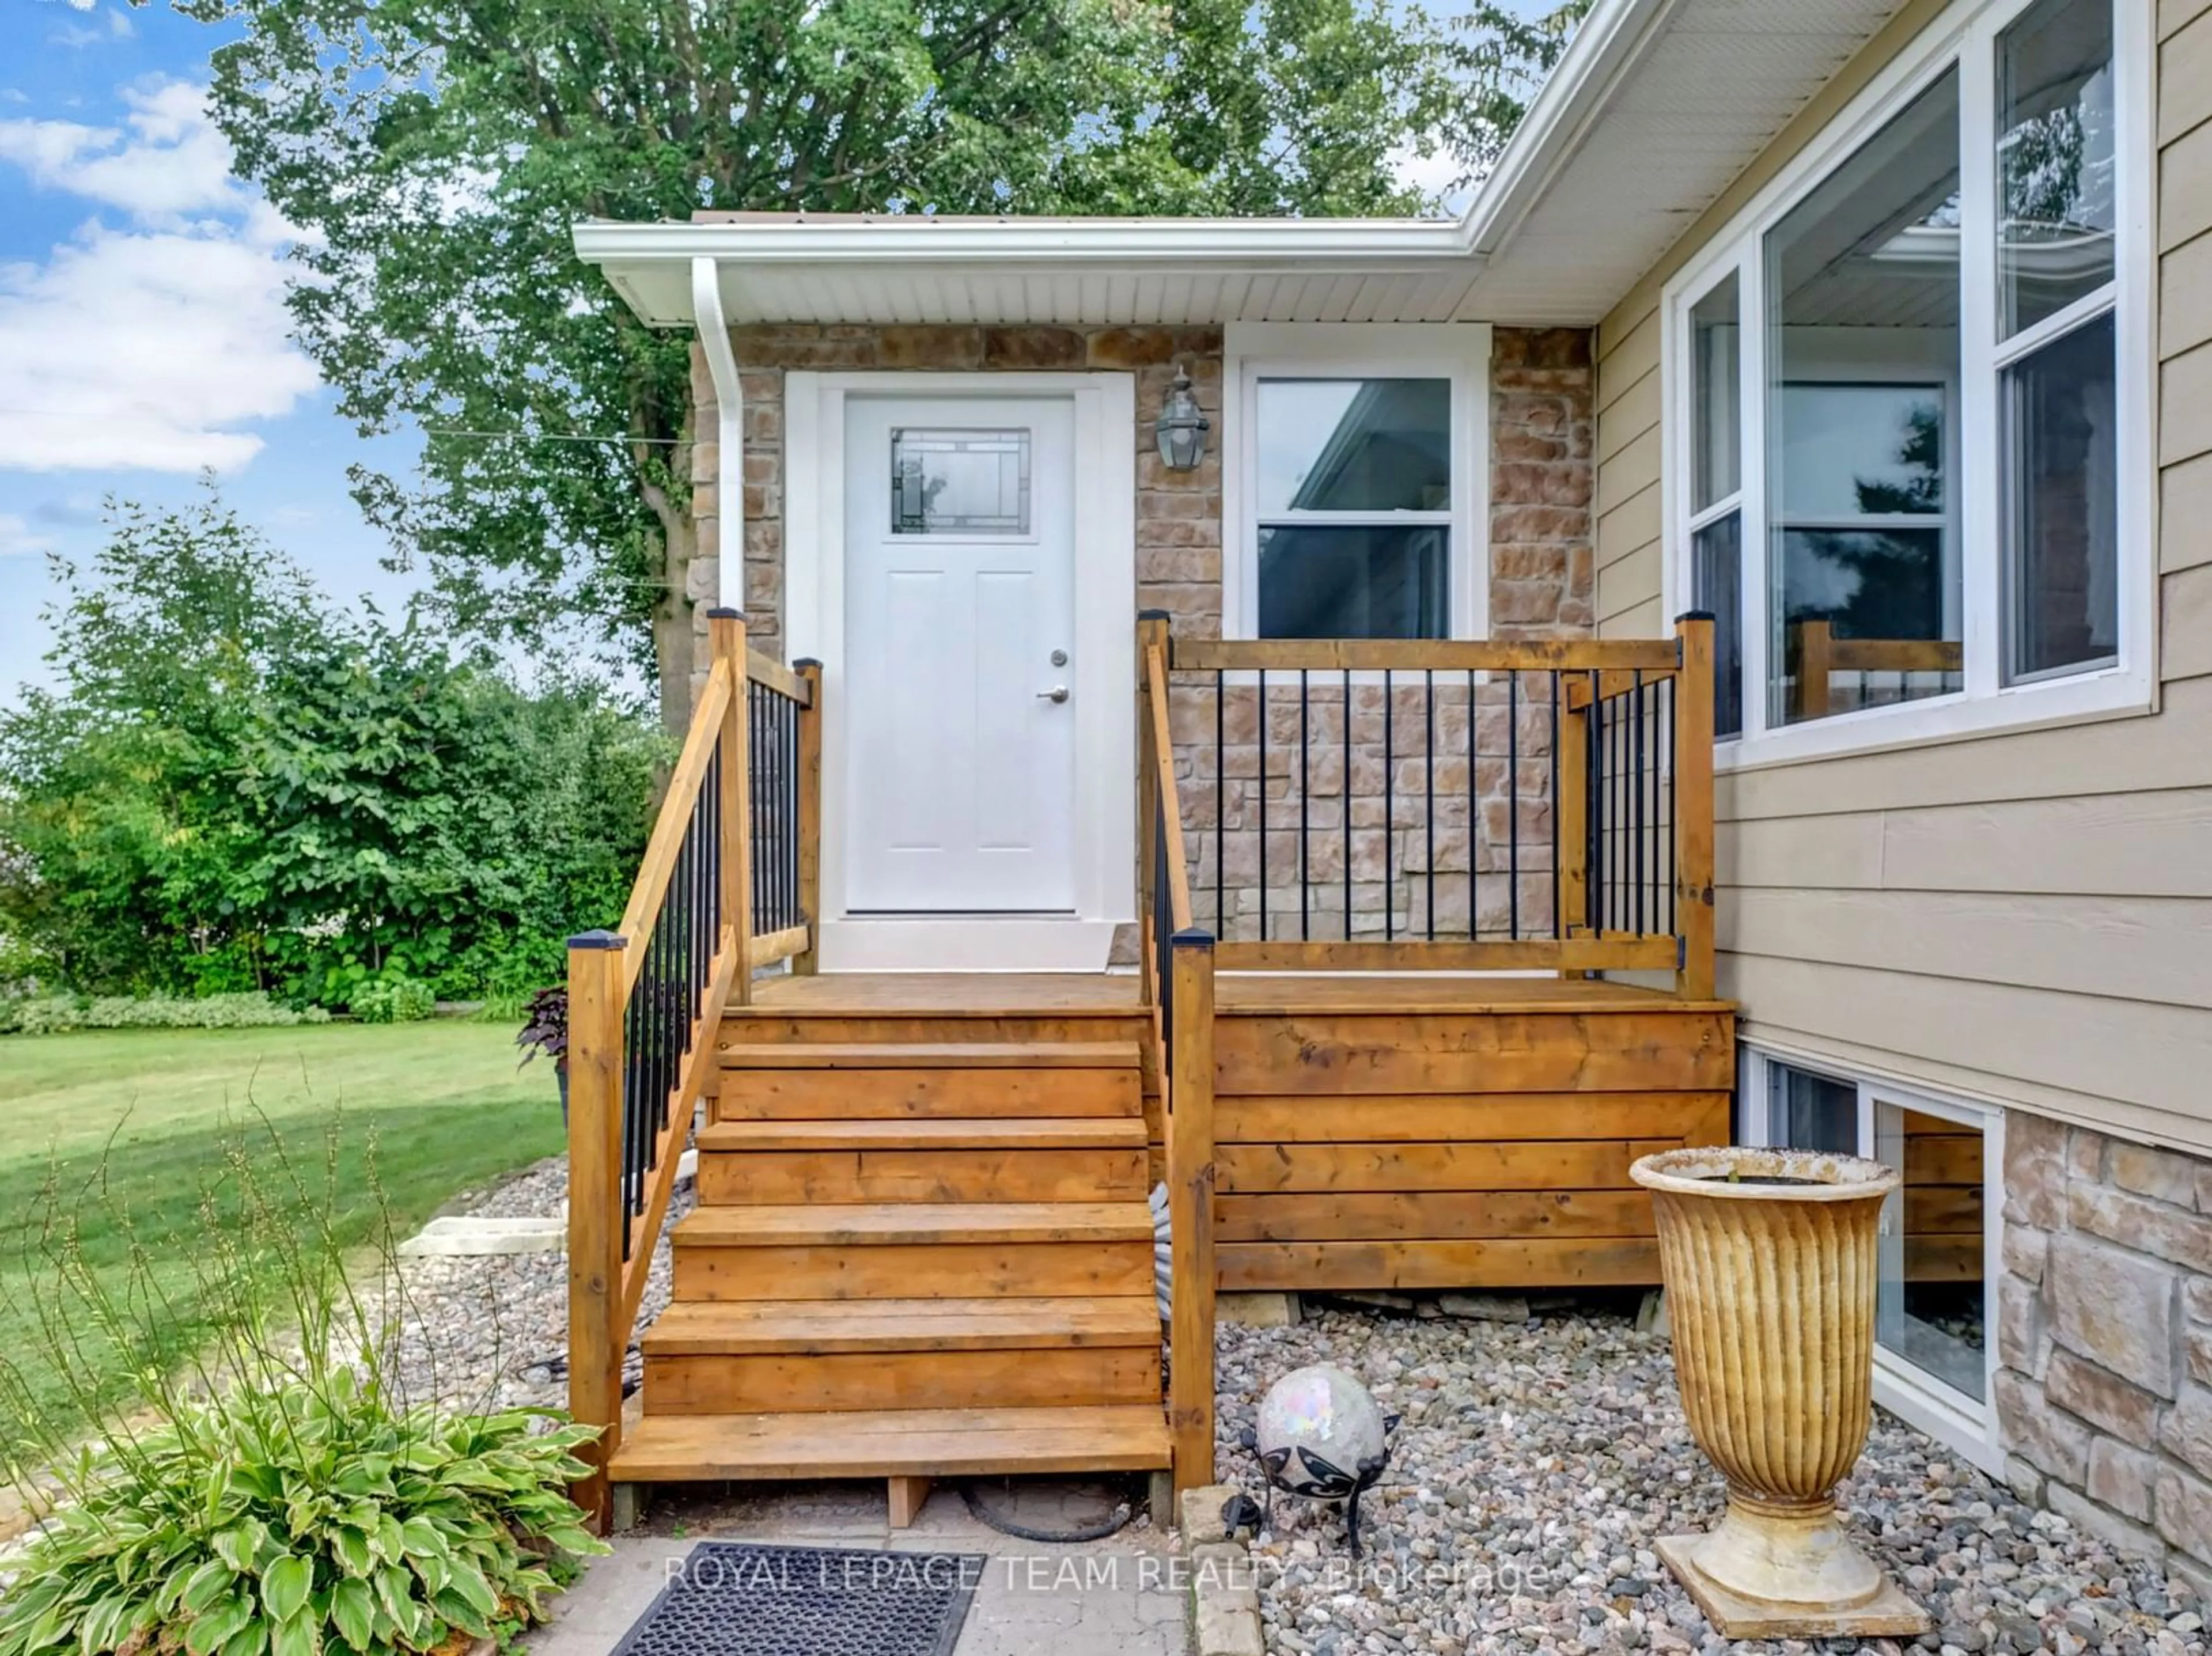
(1135, 244)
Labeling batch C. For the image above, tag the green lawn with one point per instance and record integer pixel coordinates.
(141, 1121)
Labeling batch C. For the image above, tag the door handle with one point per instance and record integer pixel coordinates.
(1058, 693)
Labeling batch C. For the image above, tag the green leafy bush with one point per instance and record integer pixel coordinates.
(49, 1015)
(286, 1495)
(311, 1518)
(233, 783)
(393, 997)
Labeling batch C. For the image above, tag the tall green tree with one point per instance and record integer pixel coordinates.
(235, 784)
(437, 154)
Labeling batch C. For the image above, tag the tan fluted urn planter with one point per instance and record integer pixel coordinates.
(1769, 1259)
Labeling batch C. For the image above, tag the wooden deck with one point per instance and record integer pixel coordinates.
(1077, 994)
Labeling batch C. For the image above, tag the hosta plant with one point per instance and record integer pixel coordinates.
(308, 1484)
(308, 1518)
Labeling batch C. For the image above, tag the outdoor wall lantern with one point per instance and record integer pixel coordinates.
(1180, 428)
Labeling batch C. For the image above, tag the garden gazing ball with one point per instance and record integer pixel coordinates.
(1322, 1436)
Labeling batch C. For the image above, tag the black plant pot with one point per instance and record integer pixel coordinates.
(561, 1075)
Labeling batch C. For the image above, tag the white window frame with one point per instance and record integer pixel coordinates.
(1964, 37)
(1967, 1424)
(1252, 351)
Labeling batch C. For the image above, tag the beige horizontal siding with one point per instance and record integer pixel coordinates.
(2142, 949)
(1629, 524)
(2185, 500)
(2024, 917)
(2127, 1066)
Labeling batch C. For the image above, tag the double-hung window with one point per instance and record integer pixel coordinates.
(1908, 468)
(1357, 478)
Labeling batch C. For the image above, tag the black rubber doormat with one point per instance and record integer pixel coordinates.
(732, 1599)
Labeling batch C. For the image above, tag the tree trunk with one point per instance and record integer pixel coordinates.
(674, 647)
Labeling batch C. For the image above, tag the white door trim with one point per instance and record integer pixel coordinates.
(1103, 670)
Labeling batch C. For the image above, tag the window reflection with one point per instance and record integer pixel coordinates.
(2056, 161)
(1929, 1308)
(1862, 327)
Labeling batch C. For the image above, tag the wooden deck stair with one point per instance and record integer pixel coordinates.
(922, 1248)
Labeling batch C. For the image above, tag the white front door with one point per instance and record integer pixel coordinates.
(960, 776)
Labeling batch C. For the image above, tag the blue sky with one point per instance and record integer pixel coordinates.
(142, 334)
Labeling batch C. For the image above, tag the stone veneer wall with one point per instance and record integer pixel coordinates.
(1541, 585)
(2105, 1333)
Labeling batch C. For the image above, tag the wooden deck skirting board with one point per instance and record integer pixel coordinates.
(1470, 1135)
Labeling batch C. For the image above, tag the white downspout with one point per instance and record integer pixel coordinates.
(729, 434)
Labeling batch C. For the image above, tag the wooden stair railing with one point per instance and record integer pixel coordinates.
(728, 884)
(1178, 987)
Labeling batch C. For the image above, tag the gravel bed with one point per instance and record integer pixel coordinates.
(492, 1331)
(1539, 1462)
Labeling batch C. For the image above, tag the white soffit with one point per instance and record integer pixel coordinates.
(1655, 110)
(1711, 84)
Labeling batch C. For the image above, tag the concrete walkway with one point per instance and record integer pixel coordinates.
(1113, 1598)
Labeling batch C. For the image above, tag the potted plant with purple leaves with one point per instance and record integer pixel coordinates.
(546, 1029)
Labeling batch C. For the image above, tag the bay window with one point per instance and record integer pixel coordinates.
(1910, 469)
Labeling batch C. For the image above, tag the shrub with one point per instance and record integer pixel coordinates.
(393, 997)
(286, 1496)
(311, 1517)
(49, 1015)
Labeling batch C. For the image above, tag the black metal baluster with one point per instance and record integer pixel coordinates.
(1558, 895)
(1673, 798)
(1220, 803)
(1263, 804)
(1474, 819)
(1636, 800)
(758, 918)
(1513, 803)
(1305, 787)
(1429, 793)
(1389, 820)
(791, 812)
(1346, 792)
(1600, 892)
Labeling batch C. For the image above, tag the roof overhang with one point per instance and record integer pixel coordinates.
(917, 268)
(1654, 110)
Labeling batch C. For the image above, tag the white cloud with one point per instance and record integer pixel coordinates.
(16, 539)
(118, 26)
(1437, 174)
(150, 337)
(170, 161)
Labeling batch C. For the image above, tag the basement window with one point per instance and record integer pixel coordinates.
(1937, 1268)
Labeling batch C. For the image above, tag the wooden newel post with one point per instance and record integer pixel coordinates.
(1190, 1212)
(1152, 635)
(1694, 805)
(597, 988)
(808, 961)
(725, 634)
